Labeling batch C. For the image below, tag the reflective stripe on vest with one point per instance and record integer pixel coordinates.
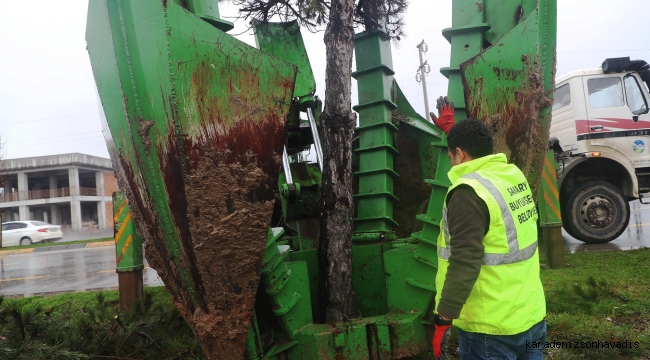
(515, 254)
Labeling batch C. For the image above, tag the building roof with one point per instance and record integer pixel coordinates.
(55, 161)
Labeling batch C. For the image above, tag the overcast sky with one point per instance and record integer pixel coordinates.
(48, 103)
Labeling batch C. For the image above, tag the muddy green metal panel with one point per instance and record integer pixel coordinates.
(284, 41)
(503, 15)
(409, 283)
(112, 54)
(314, 342)
(128, 244)
(174, 88)
(466, 39)
(510, 88)
(393, 336)
(286, 283)
(298, 305)
(107, 62)
(352, 343)
(309, 257)
(423, 131)
(368, 280)
(408, 336)
(209, 11)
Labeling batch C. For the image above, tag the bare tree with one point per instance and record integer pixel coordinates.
(337, 124)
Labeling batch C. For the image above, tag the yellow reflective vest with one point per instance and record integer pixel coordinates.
(507, 298)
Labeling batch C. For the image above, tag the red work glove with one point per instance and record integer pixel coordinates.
(440, 336)
(445, 120)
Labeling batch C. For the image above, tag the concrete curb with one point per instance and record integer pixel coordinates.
(57, 247)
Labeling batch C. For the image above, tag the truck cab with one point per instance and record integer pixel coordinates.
(600, 133)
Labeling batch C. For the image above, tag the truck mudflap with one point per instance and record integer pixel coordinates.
(195, 122)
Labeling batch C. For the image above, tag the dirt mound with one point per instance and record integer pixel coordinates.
(410, 187)
(229, 229)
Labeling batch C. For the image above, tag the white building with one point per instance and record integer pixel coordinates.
(73, 190)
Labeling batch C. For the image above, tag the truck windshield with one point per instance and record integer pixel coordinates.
(635, 100)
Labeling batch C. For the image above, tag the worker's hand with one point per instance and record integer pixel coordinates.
(440, 336)
(445, 120)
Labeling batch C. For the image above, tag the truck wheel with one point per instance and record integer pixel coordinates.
(566, 224)
(596, 212)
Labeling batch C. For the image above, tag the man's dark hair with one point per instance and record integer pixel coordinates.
(471, 136)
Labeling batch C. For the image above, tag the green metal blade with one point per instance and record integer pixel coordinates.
(283, 40)
(197, 122)
(509, 87)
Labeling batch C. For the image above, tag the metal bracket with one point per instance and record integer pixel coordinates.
(317, 143)
(641, 196)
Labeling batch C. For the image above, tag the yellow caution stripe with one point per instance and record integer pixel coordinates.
(125, 248)
(118, 236)
(119, 212)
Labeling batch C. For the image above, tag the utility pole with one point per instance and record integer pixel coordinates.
(423, 70)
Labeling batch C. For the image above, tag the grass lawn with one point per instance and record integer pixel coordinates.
(55, 243)
(601, 296)
(90, 326)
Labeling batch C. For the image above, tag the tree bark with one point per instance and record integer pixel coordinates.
(337, 128)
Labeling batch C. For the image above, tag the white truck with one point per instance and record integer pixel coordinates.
(600, 133)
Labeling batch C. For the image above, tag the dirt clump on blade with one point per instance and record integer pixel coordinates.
(496, 126)
(516, 113)
(229, 224)
(526, 136)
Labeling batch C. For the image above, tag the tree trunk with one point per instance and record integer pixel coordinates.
(337, 127)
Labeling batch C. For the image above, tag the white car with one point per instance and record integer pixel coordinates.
(28, 232)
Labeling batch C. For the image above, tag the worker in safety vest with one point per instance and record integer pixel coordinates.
(488, 264)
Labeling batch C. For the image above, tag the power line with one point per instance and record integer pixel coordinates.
(50, 118)
(49, 137)
(58, 141)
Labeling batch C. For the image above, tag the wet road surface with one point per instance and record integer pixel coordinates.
(636, 236)
(71, 235)
(40, 273)
(90, 269)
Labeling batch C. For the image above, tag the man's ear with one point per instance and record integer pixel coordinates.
(464, 155)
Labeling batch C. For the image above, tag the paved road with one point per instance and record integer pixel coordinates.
(71, 235)
(94, 268)
(63, 271)
(636, 236)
